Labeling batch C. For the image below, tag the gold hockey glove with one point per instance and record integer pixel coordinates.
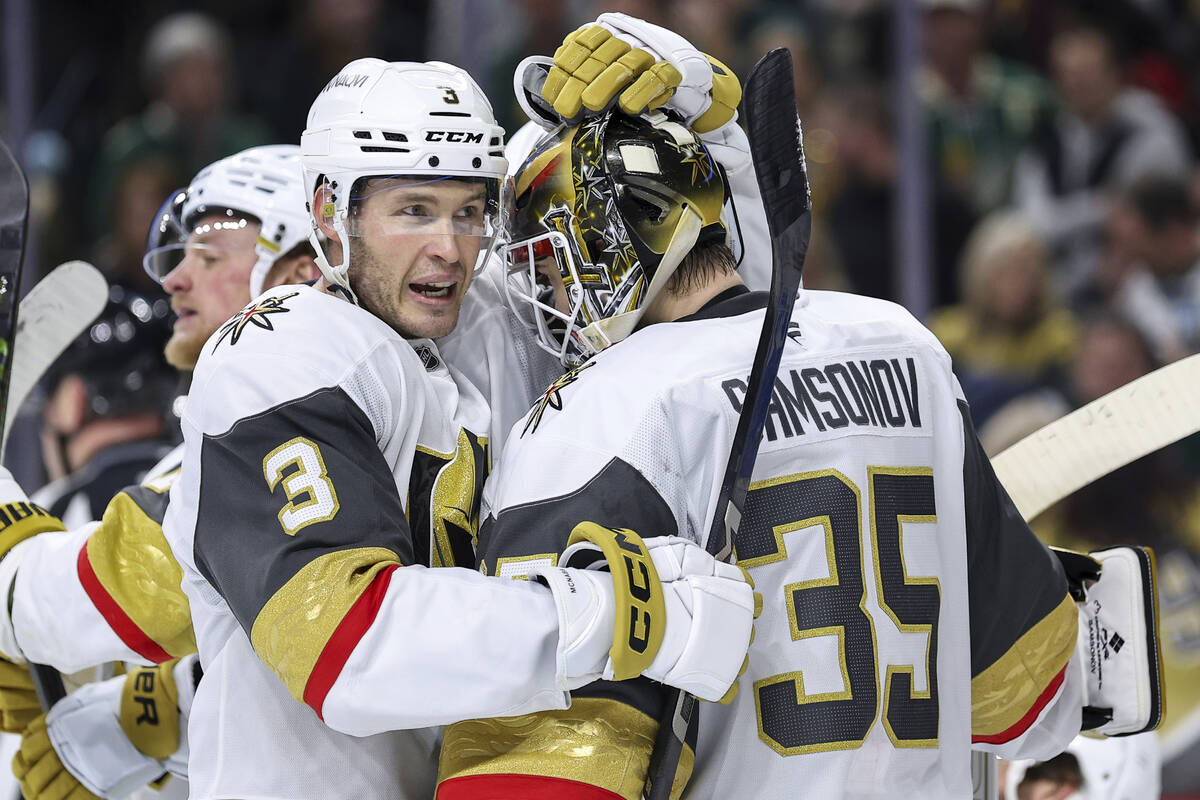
(18, 699)
(40, 771)
(592, 68)
(150, 710)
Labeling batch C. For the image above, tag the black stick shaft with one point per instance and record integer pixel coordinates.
(769, 104)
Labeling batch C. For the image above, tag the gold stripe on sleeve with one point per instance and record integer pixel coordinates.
(1004, 692)
(133, 562)
(294, 626)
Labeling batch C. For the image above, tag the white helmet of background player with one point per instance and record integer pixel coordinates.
(428, 122)
(262, 185)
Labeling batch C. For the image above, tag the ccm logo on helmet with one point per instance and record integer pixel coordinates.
(454, 136)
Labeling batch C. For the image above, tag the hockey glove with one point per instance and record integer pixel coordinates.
(19, 518)
(40, 772)
(625, 61)
(18, 699)
(1118, 646)
(665, 609)
(111, 737)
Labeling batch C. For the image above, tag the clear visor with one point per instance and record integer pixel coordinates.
(531, 294)
(468, 215)
(171, 239)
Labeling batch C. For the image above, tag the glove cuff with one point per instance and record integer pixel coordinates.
(20, 520)
(528, 79)
(85, 731)
(585, 622)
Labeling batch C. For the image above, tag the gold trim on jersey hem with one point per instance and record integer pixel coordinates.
(598, 741)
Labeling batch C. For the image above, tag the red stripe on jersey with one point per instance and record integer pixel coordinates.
(344, 639)
(125, 628)
(1026, 722)
(526, 787)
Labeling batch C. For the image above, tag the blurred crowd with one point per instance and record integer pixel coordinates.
(1063, 189)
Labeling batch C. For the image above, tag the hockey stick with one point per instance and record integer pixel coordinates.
(769, 103)
(1106, 434)
(1059, 459)
(14, 223)
(56, 310)
(59, 308)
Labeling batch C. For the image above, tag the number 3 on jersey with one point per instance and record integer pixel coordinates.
(791, 720)
(308, 483)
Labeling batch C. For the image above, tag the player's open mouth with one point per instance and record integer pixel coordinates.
(435, 290)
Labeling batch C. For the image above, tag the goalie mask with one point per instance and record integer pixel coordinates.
(261, 186)
(380, 126)
(609, 209)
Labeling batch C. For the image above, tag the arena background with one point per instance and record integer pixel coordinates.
(1020, 173)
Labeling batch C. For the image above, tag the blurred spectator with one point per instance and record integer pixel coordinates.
(293, 60)
(1154, 501)
(1008, 322)
(104, 421)
(1106, 136)
(1120, 768)
(543, 25)
(823, 263)
(981, 110)
(776, 27)
(140, 188)
(1154, 226)
(1008, 335)
(860, 213)
(1059, 778)
(187, 125)
(712, 25)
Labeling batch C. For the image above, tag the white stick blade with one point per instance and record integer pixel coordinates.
(55, 311)
(1106, 434)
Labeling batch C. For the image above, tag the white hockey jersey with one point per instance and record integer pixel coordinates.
(328, 462)
(106, 590)
(907, 609)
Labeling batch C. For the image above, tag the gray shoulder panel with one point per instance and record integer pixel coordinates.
(618, 496)
(1013, 580)
(242, 547)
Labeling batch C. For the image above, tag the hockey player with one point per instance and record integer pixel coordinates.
(108, 590)
(108, 397)
(908, 610)
(330, 457)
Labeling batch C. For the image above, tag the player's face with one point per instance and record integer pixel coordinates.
(413, 252)
(209, 285)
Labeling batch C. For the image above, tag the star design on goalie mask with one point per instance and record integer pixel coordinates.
(257, 313)
(552, 398)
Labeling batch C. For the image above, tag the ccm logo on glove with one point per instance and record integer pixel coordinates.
(639, 589)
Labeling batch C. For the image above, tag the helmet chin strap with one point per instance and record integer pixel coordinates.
(336, 276)
(610, 330)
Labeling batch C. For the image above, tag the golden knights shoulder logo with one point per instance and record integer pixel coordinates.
(552, 398)
(257, 313)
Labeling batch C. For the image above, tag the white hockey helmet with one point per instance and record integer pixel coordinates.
(263, 185)
(377, 119)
